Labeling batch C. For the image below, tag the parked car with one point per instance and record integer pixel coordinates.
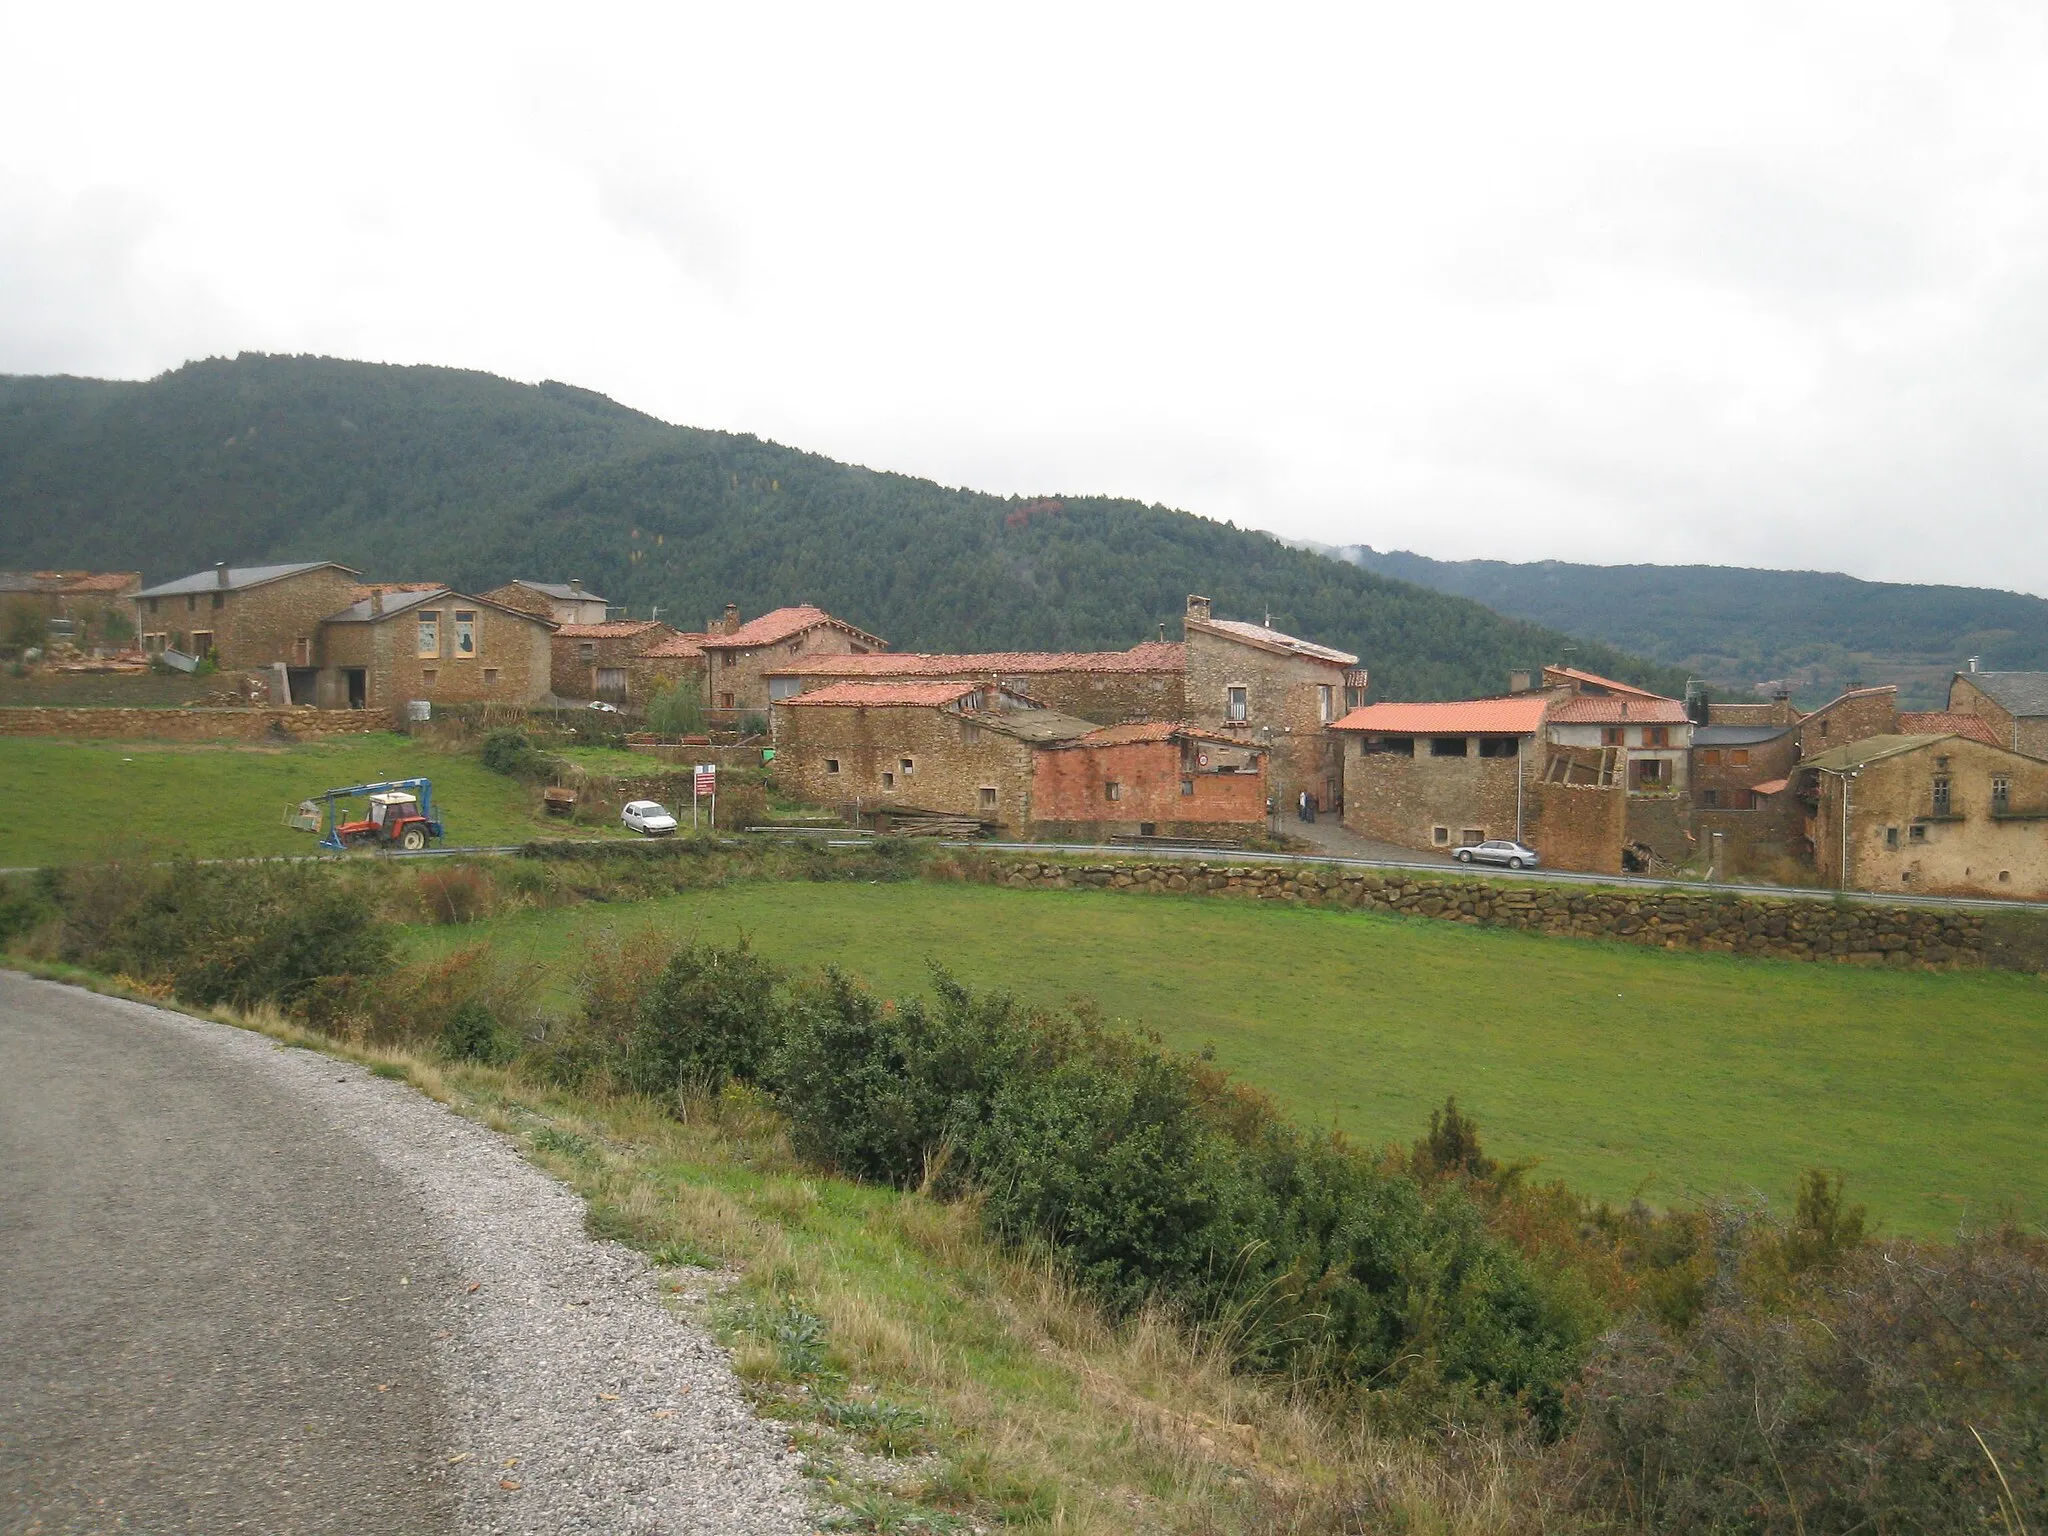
(649, 817)
(600, 704)
(1501, 850)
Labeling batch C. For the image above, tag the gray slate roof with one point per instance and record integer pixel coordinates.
(358, 612)
(560, 590)
(1737, 735)
(239, 576)
(2018, 693)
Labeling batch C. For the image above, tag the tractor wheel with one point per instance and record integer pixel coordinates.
(412, 840)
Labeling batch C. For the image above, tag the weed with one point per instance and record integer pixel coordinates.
(388, 1069)
(870, 1509)
(566, 1143)
(887, 1429)
(682, 1253)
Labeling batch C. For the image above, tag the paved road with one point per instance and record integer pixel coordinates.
(216, 1309)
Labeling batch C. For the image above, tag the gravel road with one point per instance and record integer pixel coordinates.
(248, 1288)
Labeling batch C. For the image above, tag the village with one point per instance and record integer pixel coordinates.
(1233, 731)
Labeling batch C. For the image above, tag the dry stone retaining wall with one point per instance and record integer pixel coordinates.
(204, 724)
(1777, 928)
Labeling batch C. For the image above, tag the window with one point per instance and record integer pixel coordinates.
(1891, 837)
(1711, 758)
(888, 779)
(202, 641)
(1112, 791)
(2004, 875)
(428, 676)
(1237, 704)
(1446, 746)
(1392, 746)
(1439, 835)
(1187, 786)
(220, 600)
(490, 677)
(191, 602)
(586, 651)
(909, 766)
(1354, 698)
(1472, 837)
(1739, 757)
(784, 688)
(430, 633)
(725, 701)
(1940, 797)
(465, 633)
(986, 796)
(1497, 746)
(302, 651)
(2001, 796)
(152, 605)
(1656, 735)
(1326, 701)
(1610, 735)
(831, 765)
(1916, 834)
(1710, 798)
(1824, 728)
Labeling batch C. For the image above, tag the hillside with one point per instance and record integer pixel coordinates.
(1820, 631)
(410, 472)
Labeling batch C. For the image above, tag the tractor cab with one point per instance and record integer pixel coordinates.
(399, 815)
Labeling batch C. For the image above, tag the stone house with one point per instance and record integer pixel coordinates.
(249, 616)
(1941, 814)
(565, 602)
(1154, 779)
(1275, 691)
(1146, 682)
(737, 656)
(1859, 713)
(962, 749)
(2013, 704)
(679, 658)
(393, 645)
(76, 605)
(1740, 777)
(1443, 776)
(595, 661)
(1653, 732)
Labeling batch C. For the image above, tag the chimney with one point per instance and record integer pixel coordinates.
(1198, 607)
(1518, 680)
(575, 586)
(732, 618)
(376, 602)
(220, 579)
(1162, 631)
(1973, 663)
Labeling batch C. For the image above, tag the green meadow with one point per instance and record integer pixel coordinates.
(1622, 1071)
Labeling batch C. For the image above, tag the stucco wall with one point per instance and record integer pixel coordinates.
(1972, 852)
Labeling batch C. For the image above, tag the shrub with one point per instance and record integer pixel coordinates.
(677, 711)
(454, 893)
(710, 1017)
(510, 753)
(472, 1033)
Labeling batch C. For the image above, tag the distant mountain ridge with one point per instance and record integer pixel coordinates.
(1737, 628)
(410, 472)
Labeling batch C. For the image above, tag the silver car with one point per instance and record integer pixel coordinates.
(1501, 850)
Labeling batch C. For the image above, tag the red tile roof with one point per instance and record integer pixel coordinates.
(617, 630)
(684, 645)
(1152, 656)
(780, 624)
(1932, 722)
(1275, 639)
(101, 581)
(927, 695)
(1519, 714)
(1632, 708)
(1769, 787)
(1597, 681)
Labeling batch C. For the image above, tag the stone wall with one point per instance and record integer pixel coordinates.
(853, 758)
(1284, 712)
(2028, 734)
(1853, 717)
(224, 724)
(253, 626)
(1717, 923)
(1155, 785)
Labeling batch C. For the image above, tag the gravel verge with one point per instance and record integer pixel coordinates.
(579, 1401)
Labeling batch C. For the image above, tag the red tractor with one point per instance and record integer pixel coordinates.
(400, 815)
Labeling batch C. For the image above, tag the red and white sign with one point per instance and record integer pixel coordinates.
(707, 778)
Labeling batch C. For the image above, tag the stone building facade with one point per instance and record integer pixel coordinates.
(1274, 691)
(1440, 777)
(1929, 814)
(595, 661)
(1855, 716)
(390, 647)
(81, 601)
(737, 655)
(663, 665)
(1145, 682)
(563, 602)
(1158, 779)
(960, 749)
(2013, 704)
(250, 616)
(1740, 781)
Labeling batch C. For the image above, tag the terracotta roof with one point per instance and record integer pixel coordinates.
(610, 631)
(1946, 722)
(1596, 680)
(1634, 708)
(780, 625)
(928, 695)
(1519, 714)
(1769, 786)
(685, 645)
(1275, 639)
(1152, 656)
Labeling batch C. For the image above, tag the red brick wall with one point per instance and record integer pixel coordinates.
(1069, 784)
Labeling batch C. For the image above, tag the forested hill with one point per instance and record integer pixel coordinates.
(1820, 631)
(408, 473)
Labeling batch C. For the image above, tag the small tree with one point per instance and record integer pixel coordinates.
(25, 627)
(677, 711)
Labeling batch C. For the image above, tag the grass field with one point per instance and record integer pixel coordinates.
(1622, 1069)
(65, 799)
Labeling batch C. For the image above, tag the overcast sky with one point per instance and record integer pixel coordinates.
(1748, 284)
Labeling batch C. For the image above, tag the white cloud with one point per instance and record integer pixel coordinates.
(1609, 282)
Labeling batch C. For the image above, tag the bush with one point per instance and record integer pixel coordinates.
(454, 893)
(473, 1033)
(677, 711)
(711, 1017)
(510, 753)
